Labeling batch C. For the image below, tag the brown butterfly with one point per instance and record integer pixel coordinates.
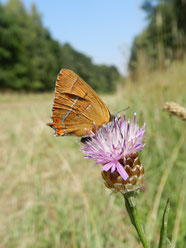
(77, 109)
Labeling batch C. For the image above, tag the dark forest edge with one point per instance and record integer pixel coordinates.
(30, 58)
(164, 38)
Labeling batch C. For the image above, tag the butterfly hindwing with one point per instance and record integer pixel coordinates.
(76, 106)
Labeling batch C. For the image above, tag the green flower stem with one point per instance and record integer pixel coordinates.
(130, 204)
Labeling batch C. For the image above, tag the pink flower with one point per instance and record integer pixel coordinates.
(113, 143)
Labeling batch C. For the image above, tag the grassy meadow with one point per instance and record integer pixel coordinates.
(50, 196)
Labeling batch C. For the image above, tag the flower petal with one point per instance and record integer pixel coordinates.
(107, 166)
(122, 171)
(113, 167)
(115, 140)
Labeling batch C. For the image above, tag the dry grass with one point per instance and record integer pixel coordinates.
(51, 197)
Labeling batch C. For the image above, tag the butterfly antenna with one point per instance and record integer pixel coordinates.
(122, 110)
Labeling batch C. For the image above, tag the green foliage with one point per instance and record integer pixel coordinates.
(164, 38)
(31, 59)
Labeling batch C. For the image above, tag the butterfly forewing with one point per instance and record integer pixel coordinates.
(76, 106)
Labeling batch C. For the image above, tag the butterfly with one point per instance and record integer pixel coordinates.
(77, 109)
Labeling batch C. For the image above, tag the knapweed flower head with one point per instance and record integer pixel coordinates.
(113, 145)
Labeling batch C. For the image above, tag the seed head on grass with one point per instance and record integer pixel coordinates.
(175, 109)
(116, 146)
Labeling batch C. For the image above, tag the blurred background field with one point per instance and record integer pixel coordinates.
(50, 196)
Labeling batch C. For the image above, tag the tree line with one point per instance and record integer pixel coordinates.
(30, 58)
(164, 38)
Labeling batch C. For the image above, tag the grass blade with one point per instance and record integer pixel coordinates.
(178, 214)
(163, 243)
